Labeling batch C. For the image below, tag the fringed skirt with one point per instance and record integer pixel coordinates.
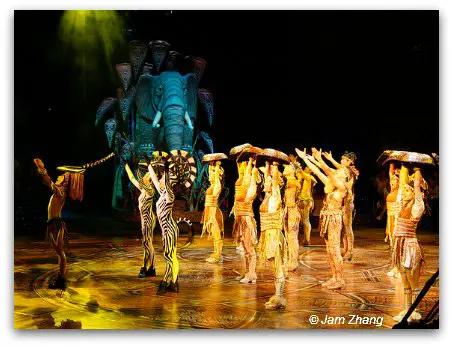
(291, 220)
(330, 222)
(211, 216)
(407, 254)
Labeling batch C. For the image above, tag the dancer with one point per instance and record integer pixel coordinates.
(169, 227)
(212, 218)
(291, 216)
(407, 254)
(305, 201)
(244, 217)
(393, 206)
(57, 231)
(271, 212)
(347, 161)
(148, 221)
(56, 227)
(332, 212)
(238, 189)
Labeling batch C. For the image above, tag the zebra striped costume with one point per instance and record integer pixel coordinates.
(148, 222)
(147, 216)
(169, 227)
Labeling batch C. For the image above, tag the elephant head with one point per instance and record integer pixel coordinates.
(167, 108)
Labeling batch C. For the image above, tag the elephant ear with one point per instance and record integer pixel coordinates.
(192, 96)
(144, 96)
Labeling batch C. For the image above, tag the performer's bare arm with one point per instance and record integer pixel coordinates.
(132, 177)
(417, 182)
(154, 177)
(313, 168)
(322, 164)
(328, 156)
(337, 182)
(45, 176)
(217, 184)
(391, 170)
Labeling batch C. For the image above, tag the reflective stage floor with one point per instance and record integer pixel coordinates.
(105, 293)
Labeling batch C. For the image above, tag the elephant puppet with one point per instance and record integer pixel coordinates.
(166, 111)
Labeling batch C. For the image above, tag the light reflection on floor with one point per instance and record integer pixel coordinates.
(105, 293)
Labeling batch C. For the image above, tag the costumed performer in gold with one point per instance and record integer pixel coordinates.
(331, 215)
(407, 254)
(212, 218)
(393, 207)
(245, 223)
(291, 215)
(239, 191)
(271, 215)
(347, 161)
(304, 200)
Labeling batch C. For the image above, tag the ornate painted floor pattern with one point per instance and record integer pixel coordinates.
(105, 293)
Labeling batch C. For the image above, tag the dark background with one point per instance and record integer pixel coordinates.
(361, 81)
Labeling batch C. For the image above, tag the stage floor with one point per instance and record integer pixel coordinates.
(105, 293)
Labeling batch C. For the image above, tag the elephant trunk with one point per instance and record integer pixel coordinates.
(174, 127)
(175, 116)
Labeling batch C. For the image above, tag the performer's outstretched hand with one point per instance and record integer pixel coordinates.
(301, 154)
(316, 153)
(40, 166)
(327, 155)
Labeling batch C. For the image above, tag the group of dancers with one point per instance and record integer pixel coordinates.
(286, 205)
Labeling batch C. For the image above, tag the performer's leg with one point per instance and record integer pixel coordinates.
(216, 257)
(305, 208)
(58, 245)
(148, 223)
(307, 230)
(331, 264)
(348, 237)
(413, 277)
(277, 301)
(170, 278)
(250, 257)
(407, 296)
(333, 243)
(293, 250)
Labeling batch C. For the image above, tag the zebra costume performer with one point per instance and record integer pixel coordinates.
(148, 221)
(169, 227)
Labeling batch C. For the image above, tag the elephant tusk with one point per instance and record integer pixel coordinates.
(187, 118)
(157, 119)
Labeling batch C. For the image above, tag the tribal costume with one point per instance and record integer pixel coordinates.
(56, 230)
(305, 202)
(332, 213)
(330, 226)
(212, 218)
(291, 217)
(245, 220)
(407, 255)
(275, 248)
(239, 195)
